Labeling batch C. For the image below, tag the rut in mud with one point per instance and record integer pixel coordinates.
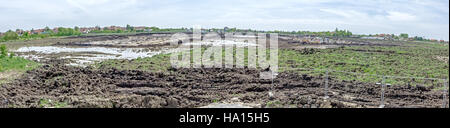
(88, 87)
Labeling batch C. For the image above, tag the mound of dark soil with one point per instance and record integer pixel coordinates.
(88, 87)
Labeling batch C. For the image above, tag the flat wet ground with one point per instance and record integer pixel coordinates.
(85, 55)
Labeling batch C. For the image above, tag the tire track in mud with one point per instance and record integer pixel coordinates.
(89, 87)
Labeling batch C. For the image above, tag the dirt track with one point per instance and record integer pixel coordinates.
(87, 87)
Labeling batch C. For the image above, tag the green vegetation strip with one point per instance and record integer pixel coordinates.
(157, 63)
(13, 64)
(410, 60)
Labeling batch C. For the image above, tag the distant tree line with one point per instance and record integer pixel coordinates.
(61, 31)
(335, 33)
(26, 35)
(76, 31)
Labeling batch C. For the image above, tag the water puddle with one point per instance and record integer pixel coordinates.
(85, 55)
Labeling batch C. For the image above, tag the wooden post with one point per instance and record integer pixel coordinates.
(444, 95)
(326, 84)
(383, 84)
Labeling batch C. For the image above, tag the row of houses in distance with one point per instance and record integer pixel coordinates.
(115, 28)
(394, 37)
(379, 37)
(84, 30)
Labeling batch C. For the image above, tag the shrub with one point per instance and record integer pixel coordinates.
(3, 51)
(11, 55)
(10, 35)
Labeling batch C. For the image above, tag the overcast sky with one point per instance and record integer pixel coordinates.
(429, 18)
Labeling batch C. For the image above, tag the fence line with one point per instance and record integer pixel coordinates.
(383, 83)
(365, 74)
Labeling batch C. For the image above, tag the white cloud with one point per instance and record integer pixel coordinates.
(102, 6)
(346, 14)
(399, 16)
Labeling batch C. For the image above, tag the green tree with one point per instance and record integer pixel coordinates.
(61, 31)
(10, 35)
(25, 35)
(154, 28)
(3, 51)
(71, 31)
(418, 38)
(76, 31)
(47, 29)
(98, 28)
(129, 28)
(404, 35)
(11, 54)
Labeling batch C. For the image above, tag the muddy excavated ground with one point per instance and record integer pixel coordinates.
(112, 88)
(56, 84)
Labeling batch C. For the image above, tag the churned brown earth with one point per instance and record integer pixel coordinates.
(58, 85)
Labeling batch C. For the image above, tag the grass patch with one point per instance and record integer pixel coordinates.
(411, 60)
(161, 62)
(157, 63)
(273, 104)
(47, 103)
(408, 60)
(17, 64)
(11, 65)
